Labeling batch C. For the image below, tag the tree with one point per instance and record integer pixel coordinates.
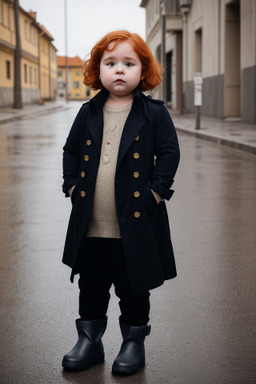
(17, 60)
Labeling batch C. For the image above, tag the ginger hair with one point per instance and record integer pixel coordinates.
(151, 70)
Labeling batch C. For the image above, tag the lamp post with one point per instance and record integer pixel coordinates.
(185, 6)
(17, 60)
(66, 47)
(163, 56)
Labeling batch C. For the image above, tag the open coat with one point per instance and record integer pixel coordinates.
(148, 158)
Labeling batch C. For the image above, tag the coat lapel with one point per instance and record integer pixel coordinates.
(95, 122)
(131, 129)
(95, 127)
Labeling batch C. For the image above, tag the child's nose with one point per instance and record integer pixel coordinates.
(119, 68)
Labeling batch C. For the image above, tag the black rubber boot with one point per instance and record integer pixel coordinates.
(89, 348)
(131, 357)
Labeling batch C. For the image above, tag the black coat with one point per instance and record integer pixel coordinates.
(148, 159)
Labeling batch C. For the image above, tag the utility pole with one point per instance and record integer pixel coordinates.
(17, 60)
(66, 48)
(163, 55)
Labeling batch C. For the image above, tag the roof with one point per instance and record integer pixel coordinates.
(32, 14)
(46, 32)
(72, 61)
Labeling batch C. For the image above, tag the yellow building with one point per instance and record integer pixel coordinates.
(48, 66)
(75, 88)
(38, 60)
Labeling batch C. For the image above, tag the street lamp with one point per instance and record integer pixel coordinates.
(163, 57)
(66, 47)
(185, 6)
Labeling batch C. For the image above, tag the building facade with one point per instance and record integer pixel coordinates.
(38, 57)
(216, 38)
(70, 73)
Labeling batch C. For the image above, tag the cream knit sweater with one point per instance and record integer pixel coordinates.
(103, 221)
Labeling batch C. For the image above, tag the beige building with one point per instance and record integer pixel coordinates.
(38, 57)
(216, 38)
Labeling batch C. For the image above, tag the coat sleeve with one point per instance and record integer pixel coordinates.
(167, 154)
(71, 153)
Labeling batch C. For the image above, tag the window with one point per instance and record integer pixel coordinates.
(78, 73)
(1, 12)
(60, 72)
(30, 74)
(25, 73)
(35, 76)
(76, 84)
(8, 69)
(26, 29)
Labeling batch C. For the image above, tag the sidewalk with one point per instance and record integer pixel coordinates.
(10, 114)
(230, 132)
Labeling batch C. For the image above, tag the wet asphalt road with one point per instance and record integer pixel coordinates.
(203, 322)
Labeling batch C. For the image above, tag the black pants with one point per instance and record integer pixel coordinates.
(105, 265)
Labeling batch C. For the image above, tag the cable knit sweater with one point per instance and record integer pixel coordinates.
(104, 222)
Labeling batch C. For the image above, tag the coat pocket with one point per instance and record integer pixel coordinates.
(74, 194)
(149, 200)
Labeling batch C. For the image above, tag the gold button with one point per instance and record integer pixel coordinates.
(86, 158)
(136, 175)
(82, 193)
(136, 215)
(88, 142)
(82, 174)
(137, 138)
(136, 155)
(136, 194)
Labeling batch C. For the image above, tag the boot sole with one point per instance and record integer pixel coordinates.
(127, 371)
(73, 366)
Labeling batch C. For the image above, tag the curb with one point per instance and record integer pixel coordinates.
(220, 140)
(37, 112)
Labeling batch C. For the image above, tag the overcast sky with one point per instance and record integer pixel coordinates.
(88, 21)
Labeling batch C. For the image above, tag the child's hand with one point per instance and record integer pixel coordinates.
(157, 197)
(70, 191)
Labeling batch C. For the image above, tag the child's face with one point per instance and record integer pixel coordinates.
(120, 70)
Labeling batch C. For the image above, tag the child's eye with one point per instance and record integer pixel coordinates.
(110, 64)
(129, 64)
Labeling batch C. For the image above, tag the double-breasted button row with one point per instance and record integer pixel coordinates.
(86, 158)
(136, 175)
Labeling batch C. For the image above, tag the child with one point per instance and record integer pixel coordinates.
(119, 163)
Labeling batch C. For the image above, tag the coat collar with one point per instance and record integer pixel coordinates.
(98, 101)
(133, 125)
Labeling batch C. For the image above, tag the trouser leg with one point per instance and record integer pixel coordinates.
(133, 321)
(95, 280)
(134, 310)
